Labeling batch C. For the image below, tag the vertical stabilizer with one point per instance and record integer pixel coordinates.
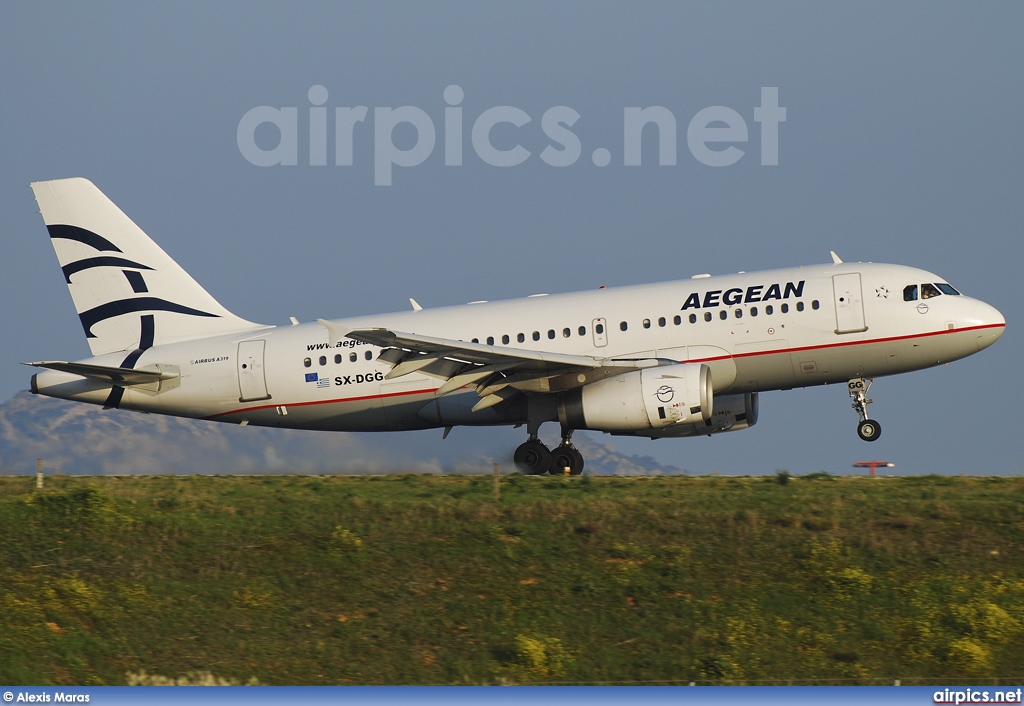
(129, 294)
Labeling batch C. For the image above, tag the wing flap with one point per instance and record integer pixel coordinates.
(497, 373)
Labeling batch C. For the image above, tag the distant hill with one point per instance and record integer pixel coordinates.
(84, 439)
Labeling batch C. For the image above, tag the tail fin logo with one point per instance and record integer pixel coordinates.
(128, 293)
(127, 306)
(93, 240)
(121, 306)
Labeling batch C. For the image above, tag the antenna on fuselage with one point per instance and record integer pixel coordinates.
(836, 260)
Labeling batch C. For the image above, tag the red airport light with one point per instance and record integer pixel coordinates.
(873, 465)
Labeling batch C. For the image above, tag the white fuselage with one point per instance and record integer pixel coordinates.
(756, 331)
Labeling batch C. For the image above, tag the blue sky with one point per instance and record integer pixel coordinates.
(902, 143)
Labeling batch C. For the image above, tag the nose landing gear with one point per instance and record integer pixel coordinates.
(867, 429)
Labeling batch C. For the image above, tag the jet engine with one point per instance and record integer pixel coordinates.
(650, 399)
(732, 413)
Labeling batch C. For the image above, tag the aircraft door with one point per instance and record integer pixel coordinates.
(252, 382)
(849, 303)
(600, 329)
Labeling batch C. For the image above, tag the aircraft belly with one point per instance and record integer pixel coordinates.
(763, 365)
(402, 398)
(335, 415)
(816, 366)
(457, 410)
(926, 351)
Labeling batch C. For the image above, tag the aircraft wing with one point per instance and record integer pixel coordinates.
(497, 372)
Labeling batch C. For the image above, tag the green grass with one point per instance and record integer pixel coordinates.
(428, 580)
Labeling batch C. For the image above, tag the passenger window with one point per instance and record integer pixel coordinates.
(551, 333)
(647, 323)
(693, 318)
(910, 293)
(476, 340)
(785, 308)
(707, 316)
(599, 328)
(368, 355)
(583, 330)
(677, 320)
(623, 326)
(769, 310)
(536, 335)
(308, 363)
(566, 332)
(352, 357)
(723, 314)
(490, 340)
(505, 339)
(661, 321)
(799, 306)
(739, 313)
(928, 291)
(323, 360)
(815, 305)
(337, 358)
(521, 337)
(753, 311)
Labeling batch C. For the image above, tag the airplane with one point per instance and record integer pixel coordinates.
(668, 360)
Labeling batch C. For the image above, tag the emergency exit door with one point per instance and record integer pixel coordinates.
(252, 383)
(849, 303)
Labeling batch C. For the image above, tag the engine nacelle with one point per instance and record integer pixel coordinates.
(732, 413)
(652, 398)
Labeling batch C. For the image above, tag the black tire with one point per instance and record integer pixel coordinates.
(566, 456)
(532, 458)
(869, 430)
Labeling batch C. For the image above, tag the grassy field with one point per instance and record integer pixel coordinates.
(429, 580)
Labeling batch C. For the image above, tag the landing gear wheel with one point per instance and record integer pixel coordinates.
(566, 456)
(869, 430)
(532, 458)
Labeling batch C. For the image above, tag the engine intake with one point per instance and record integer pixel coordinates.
(652, 398)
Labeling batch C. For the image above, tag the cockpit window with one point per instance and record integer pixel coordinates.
(946, 289)
(928, 291)
(910, 293)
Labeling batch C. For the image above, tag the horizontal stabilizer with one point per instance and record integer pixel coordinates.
(117, 376)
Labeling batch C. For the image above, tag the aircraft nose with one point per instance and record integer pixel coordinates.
(990, 324)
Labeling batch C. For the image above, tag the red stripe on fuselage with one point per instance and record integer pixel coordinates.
(842, 344)
(314, 402)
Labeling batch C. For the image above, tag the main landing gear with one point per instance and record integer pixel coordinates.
(867, 429)
(533, 458)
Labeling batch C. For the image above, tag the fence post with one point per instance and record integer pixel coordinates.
(39, 474)
(497, 482)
